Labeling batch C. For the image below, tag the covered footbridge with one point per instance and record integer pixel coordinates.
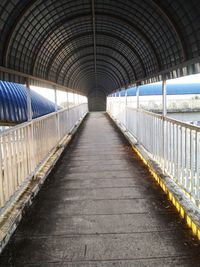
(98, 183)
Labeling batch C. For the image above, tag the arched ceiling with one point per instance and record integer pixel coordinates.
(105, 44)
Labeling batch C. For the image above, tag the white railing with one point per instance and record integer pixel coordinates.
(26, 146)
(173, 144)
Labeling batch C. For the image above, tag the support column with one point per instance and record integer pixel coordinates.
(119, 105)
(164, 98)
(126, 92)
(138, 97)
(29, 106)
(67, 100)
(55, 99)
(164, 113)
(74, 99)
(138, 106)
(56, 110)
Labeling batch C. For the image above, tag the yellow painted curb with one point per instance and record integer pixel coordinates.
(191, 224)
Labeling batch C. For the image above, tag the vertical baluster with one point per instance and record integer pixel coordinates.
(22, 155)
(25, 158)
(171, 148)
(180, 158)
(5, 166)
(183, 156)
(14, 160)
(187, 155)
(2, 193)
(179, 141)
(10, 164)
(192, 164)
(168, 146)
(197, 161)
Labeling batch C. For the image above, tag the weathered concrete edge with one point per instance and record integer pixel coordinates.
(183, 204)
(12, 216)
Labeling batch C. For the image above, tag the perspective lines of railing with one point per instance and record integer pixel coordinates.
(173, 144)
(26, 146)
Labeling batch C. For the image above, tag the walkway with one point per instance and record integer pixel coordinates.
(100, 207)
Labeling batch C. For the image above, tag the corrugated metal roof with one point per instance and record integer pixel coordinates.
(13, 103)
(156, 89)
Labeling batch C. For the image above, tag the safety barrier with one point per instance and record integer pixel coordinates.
(173, 144)
(25, 147)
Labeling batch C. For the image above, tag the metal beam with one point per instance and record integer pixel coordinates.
(138, 97)
(107, 79)
(55, 98)
(106, 63)
(181, 70)
(80, 49)
(100, 72)
(69, 68)
(34, 78)
(29, 102)
(173, 24)
(87, 65)
(164, 98)
(94, 40)
(115, 17)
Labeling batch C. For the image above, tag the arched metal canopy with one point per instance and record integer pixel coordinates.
(105, 44)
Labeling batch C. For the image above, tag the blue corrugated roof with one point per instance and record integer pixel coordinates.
(172, 89)
(13, 103)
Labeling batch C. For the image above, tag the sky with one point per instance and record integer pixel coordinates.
(186, 79)
(50, 94)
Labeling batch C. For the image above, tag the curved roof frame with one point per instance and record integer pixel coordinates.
(100, 71)
(76, 18)
(117, 51)
(73, 64)
(102, 67)
(52, 39)
(109, 35)
(105, 63)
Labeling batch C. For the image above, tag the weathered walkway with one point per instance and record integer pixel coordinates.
(100, 207)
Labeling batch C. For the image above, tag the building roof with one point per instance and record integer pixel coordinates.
(156, 89)
(13, 103)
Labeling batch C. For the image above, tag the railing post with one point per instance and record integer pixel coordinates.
(119, 105)
(29, 106)
(56, 110)
(74, 100)
(138, 106)
(138, 96)
(31, 132)
(55, 99)
(164, 98)
(126, 92)
(67, 100)
(164, 113)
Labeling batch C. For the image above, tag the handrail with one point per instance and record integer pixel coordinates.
(24, 147)
(13, 128)
(175, 121)
(173, 144)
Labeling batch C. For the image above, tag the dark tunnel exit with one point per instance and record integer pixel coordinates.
(97, 101)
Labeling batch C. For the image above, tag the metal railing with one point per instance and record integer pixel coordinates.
(26, 146)
(173, 144)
